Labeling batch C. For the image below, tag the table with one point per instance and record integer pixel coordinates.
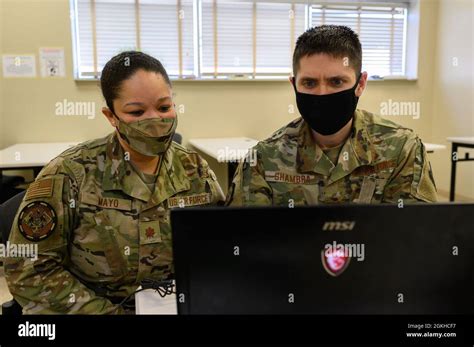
(31, 156)
(230, 150)
(457, 142)
(433, 147)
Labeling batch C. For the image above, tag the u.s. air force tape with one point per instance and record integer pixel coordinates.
(37, 221)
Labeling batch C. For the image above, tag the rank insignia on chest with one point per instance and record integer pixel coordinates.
(149, 232)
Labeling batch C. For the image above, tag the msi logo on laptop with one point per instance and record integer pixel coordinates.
(339, 225)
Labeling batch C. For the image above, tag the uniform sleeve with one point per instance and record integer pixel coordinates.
(412, 180)
(249, 187)
(40, 281)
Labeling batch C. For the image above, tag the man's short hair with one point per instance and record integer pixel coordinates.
(338, 41)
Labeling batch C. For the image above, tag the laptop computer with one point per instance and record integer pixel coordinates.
(329, 259)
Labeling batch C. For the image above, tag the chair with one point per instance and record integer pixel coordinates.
(8, 186)
(177, 138)
(7, 214)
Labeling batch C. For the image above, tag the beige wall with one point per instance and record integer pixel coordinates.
(453, 111)
(212, 109)
(2, 127)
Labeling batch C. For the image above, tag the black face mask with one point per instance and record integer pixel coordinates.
(327, 114)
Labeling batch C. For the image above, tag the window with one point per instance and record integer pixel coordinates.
(249, 37)
(208, 39)
(164, 29)
(167, 33)
(381, 31)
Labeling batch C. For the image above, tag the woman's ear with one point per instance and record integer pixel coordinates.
(110, 116)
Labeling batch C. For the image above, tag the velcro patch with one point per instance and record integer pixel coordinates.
(370, 170)
(149, 232)
(37, 221)
(189, 200)
(279, 176)
(104, 202)
(367, 190)
(40, 189)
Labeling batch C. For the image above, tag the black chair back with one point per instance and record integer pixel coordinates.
(8, 212)
(178, 138)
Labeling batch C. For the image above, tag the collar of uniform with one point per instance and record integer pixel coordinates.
(168, 182)
(310, 157)
(119, 175)
(359, 149)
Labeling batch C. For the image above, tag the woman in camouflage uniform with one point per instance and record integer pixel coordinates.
(99, 212)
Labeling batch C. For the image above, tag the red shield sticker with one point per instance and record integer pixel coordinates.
(335, 261)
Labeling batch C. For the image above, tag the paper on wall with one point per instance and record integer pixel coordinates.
(52, 62)
(19, 65)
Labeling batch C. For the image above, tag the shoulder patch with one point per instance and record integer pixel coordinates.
(37, 221)
(40, 189)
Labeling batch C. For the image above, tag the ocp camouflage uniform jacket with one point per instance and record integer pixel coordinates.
(99, 229)
(379, 162)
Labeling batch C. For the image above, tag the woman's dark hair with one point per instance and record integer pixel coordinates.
(122, 67)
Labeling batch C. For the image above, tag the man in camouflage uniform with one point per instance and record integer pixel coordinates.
(378, 161)
(100, 230)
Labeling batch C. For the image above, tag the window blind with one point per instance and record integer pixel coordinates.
(381, 31)
(161, 28)
(231, 38)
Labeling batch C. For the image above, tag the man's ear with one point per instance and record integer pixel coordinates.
(110, 116)
(292, 80)
(362, 84)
